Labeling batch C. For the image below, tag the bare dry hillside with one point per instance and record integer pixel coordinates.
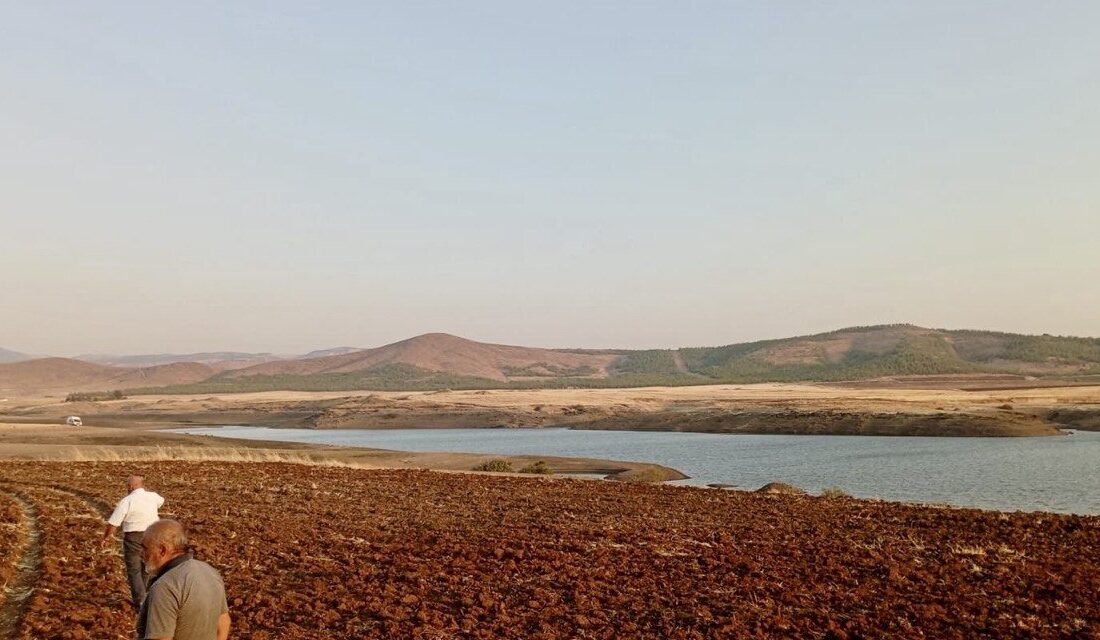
(66, 374)
(454, 355)
(52, 373)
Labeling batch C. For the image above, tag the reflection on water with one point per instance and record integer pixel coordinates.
(1052, 474)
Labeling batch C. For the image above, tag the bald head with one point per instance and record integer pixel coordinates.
(135, 482)
(163, 541)
(166, 534)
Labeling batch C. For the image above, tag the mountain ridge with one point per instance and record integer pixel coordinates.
(441, 360)
(441, 352)
(70, 374)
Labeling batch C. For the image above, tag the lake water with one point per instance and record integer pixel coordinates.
(1027, 474)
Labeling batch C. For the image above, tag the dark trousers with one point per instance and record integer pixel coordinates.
(135, 568)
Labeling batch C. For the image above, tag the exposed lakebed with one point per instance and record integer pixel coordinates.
(1049, 474)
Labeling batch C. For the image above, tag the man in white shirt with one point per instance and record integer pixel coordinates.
(134, 514)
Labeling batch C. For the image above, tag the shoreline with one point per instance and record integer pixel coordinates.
(58, 442)
(786, 409)
(738, 471)
(163, 444)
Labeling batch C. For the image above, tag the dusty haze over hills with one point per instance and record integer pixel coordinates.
(7, 355)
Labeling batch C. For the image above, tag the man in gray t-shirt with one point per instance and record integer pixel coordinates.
(186, 597)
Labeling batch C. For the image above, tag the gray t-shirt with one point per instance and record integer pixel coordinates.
(185, 603)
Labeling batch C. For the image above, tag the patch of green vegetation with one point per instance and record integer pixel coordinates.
(544, 369)
(497, 466)
(919, 355)
(650, 362)
(539, 467)
(613, 382)
(705, 359)
(914, 355)
(95, 396)
(985, 346)
(1040, 348)
(384, 377)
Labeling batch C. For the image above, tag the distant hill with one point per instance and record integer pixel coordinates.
(321, 353)
(67, 374)
(895, 350)
(7, 355)
(439, 360)
(52, 373)
(436, 361)
(162, 375)
(448, 354)
(219, 359)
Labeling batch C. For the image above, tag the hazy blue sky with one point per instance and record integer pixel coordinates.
(282, 177)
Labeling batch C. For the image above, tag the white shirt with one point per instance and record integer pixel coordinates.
(136, 511)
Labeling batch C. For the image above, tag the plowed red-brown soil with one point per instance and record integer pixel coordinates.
(12, 538)
(76, 595)
(313, 552)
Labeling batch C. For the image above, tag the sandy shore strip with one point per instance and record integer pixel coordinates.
(87, 443)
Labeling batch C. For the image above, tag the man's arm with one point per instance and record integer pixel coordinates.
(223, 626)
(115, 521)
(108, 535)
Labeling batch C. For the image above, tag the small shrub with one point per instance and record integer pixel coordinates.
(640, 475)
(834, 492)
(539, 467)
(499, 466)
(95, 396)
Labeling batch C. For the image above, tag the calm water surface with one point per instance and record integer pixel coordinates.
(1050, 474)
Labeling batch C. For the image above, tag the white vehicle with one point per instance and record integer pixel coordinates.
(74, 421)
